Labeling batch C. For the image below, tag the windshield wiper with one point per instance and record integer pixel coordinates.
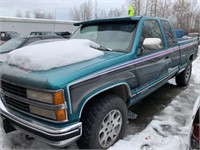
(103, 48)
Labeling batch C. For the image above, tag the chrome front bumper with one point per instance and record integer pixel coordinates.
(54, 136)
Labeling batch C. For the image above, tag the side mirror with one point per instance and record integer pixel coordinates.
(152, 43)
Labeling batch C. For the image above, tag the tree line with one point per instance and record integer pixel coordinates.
(37, 13)
(184, 14)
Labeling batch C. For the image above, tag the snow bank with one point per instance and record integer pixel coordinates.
(169, 130)
(52, 55)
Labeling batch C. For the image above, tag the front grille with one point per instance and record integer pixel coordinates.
(13, 89)
(17, 104)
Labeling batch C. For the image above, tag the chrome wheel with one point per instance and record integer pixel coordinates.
(110, 128)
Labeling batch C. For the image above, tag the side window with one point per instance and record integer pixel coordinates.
(150, 29)
(168, 33)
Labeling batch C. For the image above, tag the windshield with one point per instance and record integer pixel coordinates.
(116, 36)
(11, 44)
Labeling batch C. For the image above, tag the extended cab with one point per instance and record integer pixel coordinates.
(88, 101)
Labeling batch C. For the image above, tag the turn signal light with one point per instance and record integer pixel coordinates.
(60, 115)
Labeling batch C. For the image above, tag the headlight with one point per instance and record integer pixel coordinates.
(55, 98)
(58, 115)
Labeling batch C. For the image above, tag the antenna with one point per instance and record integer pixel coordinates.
(95, 9)
(54, 27)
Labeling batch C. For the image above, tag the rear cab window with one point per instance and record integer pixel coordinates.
(168, 33)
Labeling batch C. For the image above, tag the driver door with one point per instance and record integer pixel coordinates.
(152, 66)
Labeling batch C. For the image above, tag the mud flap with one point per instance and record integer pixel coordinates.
(132, 115)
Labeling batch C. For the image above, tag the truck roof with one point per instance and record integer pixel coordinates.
(135, 18)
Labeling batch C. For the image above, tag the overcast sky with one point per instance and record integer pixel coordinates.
(59, 8)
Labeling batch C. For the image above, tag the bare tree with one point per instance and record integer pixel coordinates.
(147, 7)
(197, 21)
(164, 7)
(102, 14)
(75, 14)
(18, 13)
(27, 14)
(117, 12)
(82, 13)
(49, 16)
(39, 14)
(114, 13)
(153, 7)
(184, 12)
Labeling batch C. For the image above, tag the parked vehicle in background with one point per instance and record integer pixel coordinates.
(26, 25)
(7, 35)
(46, 41)
(65, 34)
(19, 42)
(195, 35)
(195, 127)
(88, 101)
(47, 33)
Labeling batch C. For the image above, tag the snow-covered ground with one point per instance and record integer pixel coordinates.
(168, 130)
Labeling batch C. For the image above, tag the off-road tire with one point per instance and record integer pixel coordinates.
(93, 116)
(183, 78)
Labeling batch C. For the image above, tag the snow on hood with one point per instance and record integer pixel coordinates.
(53, 55)
(3, 57)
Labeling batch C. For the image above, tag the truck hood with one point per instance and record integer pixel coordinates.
(47, 56)
(59, 77)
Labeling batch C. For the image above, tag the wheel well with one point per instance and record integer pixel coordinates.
(121, 90)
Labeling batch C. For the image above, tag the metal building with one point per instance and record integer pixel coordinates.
(27, 25)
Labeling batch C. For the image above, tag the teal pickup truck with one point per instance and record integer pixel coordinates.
(88, 101)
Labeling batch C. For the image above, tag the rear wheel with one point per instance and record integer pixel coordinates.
(104, 122)
(183, 78)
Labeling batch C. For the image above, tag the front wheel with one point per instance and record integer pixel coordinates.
(104, 122)
(183, 78)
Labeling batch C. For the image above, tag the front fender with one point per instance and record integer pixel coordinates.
(78, 92)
